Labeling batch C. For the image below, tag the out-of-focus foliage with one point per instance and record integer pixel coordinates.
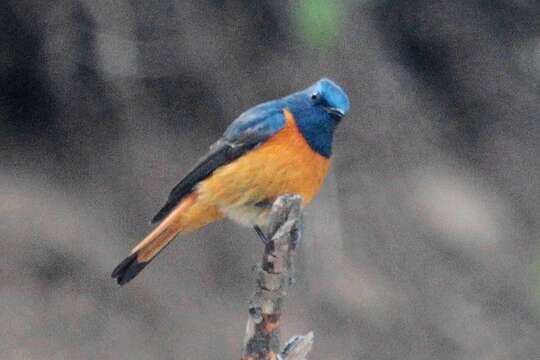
(423, 244)
(318, 21)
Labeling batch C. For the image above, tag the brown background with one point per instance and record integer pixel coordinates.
(423, 244)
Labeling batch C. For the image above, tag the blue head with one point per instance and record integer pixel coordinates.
(317, 110)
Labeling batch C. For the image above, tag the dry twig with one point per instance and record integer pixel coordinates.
(274, 276)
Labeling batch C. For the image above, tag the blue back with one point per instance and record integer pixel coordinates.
(315, 110)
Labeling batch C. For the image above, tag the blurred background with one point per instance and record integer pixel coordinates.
(424, 243)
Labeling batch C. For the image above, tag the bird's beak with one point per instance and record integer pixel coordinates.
(338, 113)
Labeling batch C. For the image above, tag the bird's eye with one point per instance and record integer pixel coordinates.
(315, 96)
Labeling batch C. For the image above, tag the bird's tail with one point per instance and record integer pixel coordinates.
(185, 217)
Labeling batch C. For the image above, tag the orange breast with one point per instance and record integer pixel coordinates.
(282, 165)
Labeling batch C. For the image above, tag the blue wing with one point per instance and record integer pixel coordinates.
(264, 120)
(249, 130)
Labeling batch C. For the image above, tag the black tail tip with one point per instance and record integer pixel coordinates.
(127, 269)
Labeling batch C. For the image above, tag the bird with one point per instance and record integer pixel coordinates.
(278, 147)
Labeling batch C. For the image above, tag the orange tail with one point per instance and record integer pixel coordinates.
(188, 215)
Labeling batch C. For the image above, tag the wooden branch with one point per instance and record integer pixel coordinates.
(274, 276)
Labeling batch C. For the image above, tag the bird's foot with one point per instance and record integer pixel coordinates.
(261, 235)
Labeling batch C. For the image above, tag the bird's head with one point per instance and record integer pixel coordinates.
(317, 110)
(328, 96)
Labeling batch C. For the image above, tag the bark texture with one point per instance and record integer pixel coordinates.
(274, 276)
